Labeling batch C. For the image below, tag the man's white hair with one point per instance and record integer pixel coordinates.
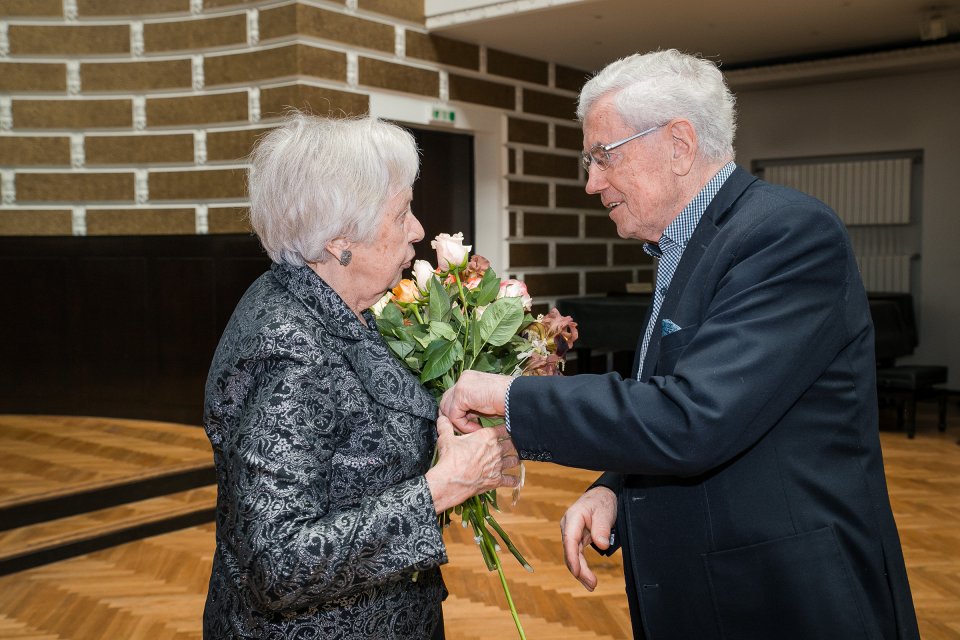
(314, 179)
(653, 88)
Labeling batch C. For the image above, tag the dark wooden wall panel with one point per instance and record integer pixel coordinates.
(117, 326)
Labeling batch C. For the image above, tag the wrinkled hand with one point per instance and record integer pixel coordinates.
(474, 394)
(589, 519)
(471, 464)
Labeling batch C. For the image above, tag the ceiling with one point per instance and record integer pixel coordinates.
(587, 34)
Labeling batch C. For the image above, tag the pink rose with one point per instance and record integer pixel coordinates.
(451, 252)
(516, 289)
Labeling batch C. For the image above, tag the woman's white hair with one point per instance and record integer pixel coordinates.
(653, 88)
(315, 179)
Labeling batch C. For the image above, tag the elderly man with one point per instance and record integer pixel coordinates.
(743, 474)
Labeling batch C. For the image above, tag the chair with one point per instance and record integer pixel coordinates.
(896, 336)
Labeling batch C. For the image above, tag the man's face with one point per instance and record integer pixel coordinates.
(638, 188)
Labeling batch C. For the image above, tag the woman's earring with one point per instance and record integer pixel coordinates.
(345, 257)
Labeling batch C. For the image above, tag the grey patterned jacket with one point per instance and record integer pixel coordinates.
(320, 440)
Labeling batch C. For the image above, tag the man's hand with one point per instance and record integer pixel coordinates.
(589, 519)
(474, 394)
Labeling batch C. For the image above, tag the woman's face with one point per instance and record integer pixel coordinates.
(378, 265)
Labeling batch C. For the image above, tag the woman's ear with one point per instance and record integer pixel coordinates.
(337, 247)
(684, 150)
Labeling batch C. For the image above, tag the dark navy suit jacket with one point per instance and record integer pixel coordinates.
(747, 463)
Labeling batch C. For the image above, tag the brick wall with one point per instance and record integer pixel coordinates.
(132, 117)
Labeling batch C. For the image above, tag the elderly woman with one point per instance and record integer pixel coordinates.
(327, 505)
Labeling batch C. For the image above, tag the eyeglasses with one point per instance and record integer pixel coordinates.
(599, 154)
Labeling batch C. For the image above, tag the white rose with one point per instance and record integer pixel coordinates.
(451, 252)
(378, 306)
(422, 272)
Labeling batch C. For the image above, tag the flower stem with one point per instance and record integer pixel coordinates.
(506, 591)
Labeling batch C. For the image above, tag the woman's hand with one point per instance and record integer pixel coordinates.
(470, 464)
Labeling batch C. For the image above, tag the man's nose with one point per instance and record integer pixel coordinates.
(596, 180)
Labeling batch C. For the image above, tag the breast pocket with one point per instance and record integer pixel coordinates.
(672, 347)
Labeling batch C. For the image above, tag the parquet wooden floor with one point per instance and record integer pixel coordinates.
(153, 589)
(50, 456)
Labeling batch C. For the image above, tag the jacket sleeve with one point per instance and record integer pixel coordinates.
(771, 324)
(293, 548)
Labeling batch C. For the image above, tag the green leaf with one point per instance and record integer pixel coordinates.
(486, 362)
(402, 349)
(442, 330)
(390, 318)
(439, 301)
(500, 321)
(440, 357)
(488, 289)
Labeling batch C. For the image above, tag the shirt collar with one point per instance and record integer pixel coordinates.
(678, 233)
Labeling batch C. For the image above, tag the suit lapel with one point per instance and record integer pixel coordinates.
(716, 214)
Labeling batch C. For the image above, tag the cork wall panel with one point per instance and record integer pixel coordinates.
(553, 284)
(551, 224)
(600, 227)
(34, 151)
(198, 185)
(100, 8)
(217, 4)
(278, 22)
(571, 255)
(31, 8)
(69, 39)
(136, 76)
(568, 137)
(317, 100)
(232, 146)
(228, 220)
(510, 65)
(574, 197)
(71, 114)
(186, 35)
(548, 164)
(202, 109)
(320, 23)
(607, 281)
(549, 104)
(33, 76)
(139, 149)
(529, 193)
(433, 48)
(569, 78)
(387, 75)
(527, 131)
(73, 187)
(39, 222)
(529, 255)
(289, 60)
(493, 94)
(141, 222)
(411, 10)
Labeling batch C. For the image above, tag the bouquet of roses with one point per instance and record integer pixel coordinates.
(461, 316)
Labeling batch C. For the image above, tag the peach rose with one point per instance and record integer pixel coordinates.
(406, 291)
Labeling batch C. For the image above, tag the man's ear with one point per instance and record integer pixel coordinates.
(684, 148)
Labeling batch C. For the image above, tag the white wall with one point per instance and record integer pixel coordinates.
(919, 110)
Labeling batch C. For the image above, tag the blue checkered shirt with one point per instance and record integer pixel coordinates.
(670, 248)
